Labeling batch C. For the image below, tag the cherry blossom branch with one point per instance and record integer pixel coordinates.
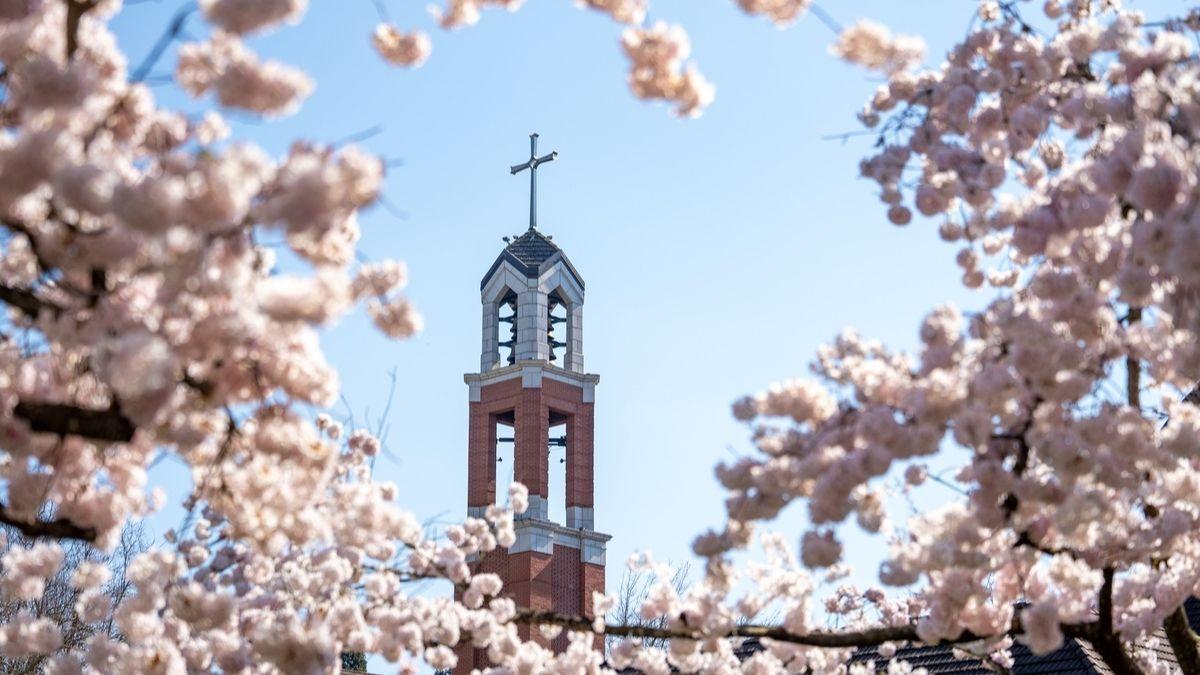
(1011, 501)
(44, 265)
(25, 300)
(825, 18)
(75, 11)
(1185, 644)
(63, 419)
(160, 46)
(1133, 367)
(868, 637)
(1024, 539)
(59, 528)
(1105, 640)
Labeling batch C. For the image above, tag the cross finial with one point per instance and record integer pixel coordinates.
(532, 165)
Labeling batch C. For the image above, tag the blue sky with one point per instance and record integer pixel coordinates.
(718, 252)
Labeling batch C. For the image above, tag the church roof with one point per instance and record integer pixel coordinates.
(528, 253)
(1074, 657)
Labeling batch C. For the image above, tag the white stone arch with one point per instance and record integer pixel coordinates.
(559, 280)
(504, 281)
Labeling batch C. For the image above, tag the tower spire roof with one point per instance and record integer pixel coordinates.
(531, 254)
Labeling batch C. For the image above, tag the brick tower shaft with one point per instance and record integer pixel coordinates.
(531, 380)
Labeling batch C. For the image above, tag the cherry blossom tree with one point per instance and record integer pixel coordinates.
(70, 605)
(143, 318)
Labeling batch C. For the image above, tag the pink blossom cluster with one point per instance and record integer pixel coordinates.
(780, 12)
(1062, 163)
(657, 68)
(1063, 167)
(870, 44)
(631, 12)
(150, 307)
(458, 13)
(398, 48)
(657, 53)
(27, 569)
(346, 577)
(248, 16)
(239, 79)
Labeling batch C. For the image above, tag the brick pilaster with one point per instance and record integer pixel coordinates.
(531, 452)
(580, 481)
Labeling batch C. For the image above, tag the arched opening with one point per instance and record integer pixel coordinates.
(505, 455)
(506, 320)
(557, 315)
(556, 482)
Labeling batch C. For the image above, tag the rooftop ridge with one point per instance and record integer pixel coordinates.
(527, 253)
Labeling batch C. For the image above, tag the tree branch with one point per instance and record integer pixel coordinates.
(1183, 641)
(25, 300)
(1133, 368)
(59, 528)
(868, 637)
(1024, 539)
(160, 46)
(1182, 638)
(1011, 501)
(75, 11)
(1105, 639)
(63, 419)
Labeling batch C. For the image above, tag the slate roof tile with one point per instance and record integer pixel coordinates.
(527, 253)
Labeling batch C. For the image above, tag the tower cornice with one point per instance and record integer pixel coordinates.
(532, 373)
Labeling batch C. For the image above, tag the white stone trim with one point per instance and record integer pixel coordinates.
(585, 381)
(533, 539)
(581, 518)
(543, 535)
(581, 380)
(555, 276)
(505, 276)
(531, 377)
(531, 343)
(538, 509)
(593, 552)
(498, 375)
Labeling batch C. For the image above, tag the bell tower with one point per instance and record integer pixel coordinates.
(532, 392)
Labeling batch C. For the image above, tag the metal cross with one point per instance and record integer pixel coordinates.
(532, 165)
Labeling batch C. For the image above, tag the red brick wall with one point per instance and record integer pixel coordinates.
(562, 581)
(530, 452)
(481, 439)
(531, 408)
(565, 585)
(580, 457)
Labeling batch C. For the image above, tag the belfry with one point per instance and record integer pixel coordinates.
(532, 392)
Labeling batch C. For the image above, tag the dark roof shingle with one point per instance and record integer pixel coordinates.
(527, 253)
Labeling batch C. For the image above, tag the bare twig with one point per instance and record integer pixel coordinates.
(826, 19)
(358, 136)
(173, 31)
